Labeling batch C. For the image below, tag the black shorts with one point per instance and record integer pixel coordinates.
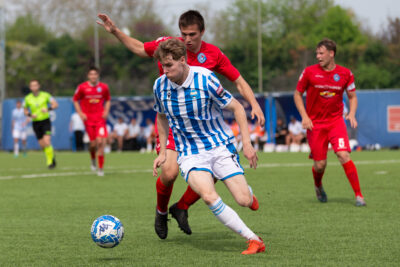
(41, 128)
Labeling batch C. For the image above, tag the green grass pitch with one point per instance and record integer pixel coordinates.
(45, 216)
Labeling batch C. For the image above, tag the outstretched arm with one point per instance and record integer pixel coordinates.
(245, 90)
(136, 46)
(240, 117)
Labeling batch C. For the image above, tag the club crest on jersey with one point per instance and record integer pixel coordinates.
(336, 77)
(201, 58)
(168, 95)
(99, 89)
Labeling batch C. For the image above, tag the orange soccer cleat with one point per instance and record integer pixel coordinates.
(254, 205)
(255, 246)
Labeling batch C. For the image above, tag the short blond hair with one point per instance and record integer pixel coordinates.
(173, 47)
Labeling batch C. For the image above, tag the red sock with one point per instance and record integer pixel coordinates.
(92, 154)
(188, 199)
(100, 159)
(163, 195)
(351, 173)
(317, 177)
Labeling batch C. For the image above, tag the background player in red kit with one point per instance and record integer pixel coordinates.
(325, 83)
(92, 103)
(199, 53)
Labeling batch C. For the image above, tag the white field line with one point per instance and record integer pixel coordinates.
(117, 170)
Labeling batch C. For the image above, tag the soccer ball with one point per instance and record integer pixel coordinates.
(107, 231)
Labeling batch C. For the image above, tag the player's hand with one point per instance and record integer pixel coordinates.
(257, 112)
(307, 123)
(105, 115)
(44, 110)
(107, 23)
(33, 116)
(158, 162)
(83, 116)
(250, 155)
(352, 120)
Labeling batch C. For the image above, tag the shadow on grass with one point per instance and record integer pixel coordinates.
(210, 241)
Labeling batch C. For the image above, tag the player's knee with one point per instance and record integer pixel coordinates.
(209, 197)
(244, 200)
(320, 166)
(169, 175)
(343, 157)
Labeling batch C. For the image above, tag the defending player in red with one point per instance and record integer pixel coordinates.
(325, 84)
(199, 53)
(92, 103)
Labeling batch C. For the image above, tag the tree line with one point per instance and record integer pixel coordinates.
(59, 56)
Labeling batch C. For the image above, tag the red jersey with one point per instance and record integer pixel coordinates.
(324, 100)
(92, 100)
(209, 57)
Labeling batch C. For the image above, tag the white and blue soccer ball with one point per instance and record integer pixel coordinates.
(107, 231)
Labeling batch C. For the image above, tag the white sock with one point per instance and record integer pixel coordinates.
(231, 219)
(149, 147)
(16, 149)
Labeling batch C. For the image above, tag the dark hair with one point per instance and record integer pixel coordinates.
(191, 17)
(329, 45)
(173, 47)
(94, 68)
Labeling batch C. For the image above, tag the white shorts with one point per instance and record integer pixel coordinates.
(222, 162)
(18, 134)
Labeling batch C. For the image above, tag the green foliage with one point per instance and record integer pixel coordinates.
(290, 31)
(28, 30)
(372, 76)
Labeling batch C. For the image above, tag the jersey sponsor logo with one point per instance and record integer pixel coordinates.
(327, 94)
(194, 93)
(201, 58)
(94, 100)
(319, 76)
(325, 86)
(99, 89)
(336, 77)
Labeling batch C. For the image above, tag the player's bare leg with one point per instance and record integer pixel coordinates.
(352, 175)
(164, 185)
(242, 192)
(202, 182)
(100, 144)
(16, 147)
(92, 151)
(318, 172)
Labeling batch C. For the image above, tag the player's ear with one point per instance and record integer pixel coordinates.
(182, 60)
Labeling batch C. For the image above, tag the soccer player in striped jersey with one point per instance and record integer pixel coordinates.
(199, 53)
(189, 100)
(325, 84)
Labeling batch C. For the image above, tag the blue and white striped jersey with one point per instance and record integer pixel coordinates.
(193, 110)
(19, 118)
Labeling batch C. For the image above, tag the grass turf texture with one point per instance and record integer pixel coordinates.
(45, 216)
